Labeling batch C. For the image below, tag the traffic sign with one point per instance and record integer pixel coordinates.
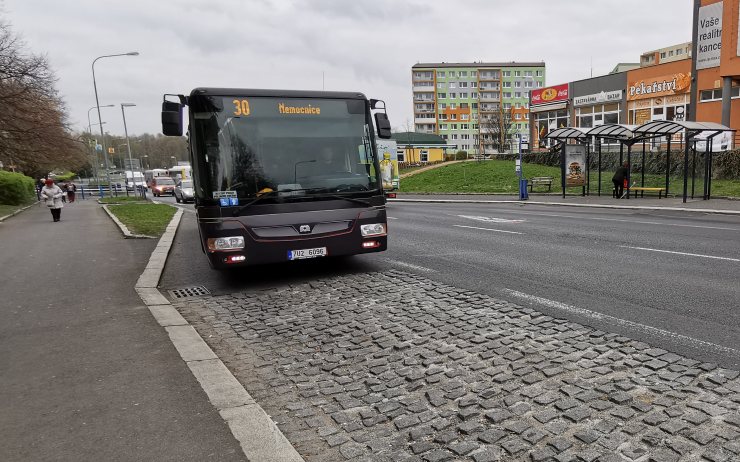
(111, 151)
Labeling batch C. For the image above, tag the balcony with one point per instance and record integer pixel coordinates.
(423, 77)
(492, 96)
(424, 120)
(424, 97)
(489, 76)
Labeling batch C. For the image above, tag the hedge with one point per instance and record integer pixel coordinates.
(16, 189)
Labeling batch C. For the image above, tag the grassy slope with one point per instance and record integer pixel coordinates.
(147, 219)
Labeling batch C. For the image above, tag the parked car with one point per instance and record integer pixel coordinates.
(163, 185)
(184, 191)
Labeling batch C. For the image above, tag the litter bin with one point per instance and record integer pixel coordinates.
(523, 194)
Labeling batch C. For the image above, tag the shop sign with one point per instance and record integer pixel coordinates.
(597, 98)
(709, 36)
(659, 86)
(550, 94)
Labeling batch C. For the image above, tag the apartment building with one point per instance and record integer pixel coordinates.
(450, 98)
(666, 55)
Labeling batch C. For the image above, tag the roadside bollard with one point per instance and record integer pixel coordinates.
(523, 194)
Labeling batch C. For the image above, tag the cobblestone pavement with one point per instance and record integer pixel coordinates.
(391, 366)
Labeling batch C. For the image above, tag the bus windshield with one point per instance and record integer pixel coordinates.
(254, 145)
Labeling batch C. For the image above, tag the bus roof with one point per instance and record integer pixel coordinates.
(276, 93)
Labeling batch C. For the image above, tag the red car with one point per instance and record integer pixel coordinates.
(163, 185)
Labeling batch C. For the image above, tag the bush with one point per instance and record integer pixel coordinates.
(16, 189)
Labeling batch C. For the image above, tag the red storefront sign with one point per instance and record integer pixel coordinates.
(550, 94)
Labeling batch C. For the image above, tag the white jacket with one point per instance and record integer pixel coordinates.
(53, 193)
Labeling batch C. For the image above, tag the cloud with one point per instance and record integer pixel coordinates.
(355, 45)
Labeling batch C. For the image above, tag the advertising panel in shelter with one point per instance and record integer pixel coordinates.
(575, 165)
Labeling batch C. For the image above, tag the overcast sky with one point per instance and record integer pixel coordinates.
(358, 45)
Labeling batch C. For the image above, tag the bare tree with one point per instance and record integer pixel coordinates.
(34, 134)
(495, 129)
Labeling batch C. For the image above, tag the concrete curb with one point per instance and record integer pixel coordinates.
(259, 437)
(605, 206)
(17, 212)
(126, 233)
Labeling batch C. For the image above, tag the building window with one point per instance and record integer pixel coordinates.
(453, 95)
(517, 94)
(517, 116)
(507, 84)
(539, 84)
(475, 105)
(401, 155)
(527, 73)
(463, 84)
(443, 117)
(474, 73)
(424, 154)
(453, 126)
(464, 116)
(474, 95)
(517, 73)
(464, 127)
(507, 105)
(670, 53)
(463, 95)
(528, 84)
(440, 85)
(463, 74)
(538, 73)
(443, 105)
(440, 74)
(463, 105)
(506, 73)
(454, 136)
(679, 52)
(473, 84)
(453, 85)
(464, 136)
(453, 116)
(507, 94)
(452, 106)
(518, 84)
(441, 95)
(662, 55)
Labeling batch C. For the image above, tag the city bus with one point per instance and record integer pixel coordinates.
(149, 175)
(180, 172)
(283, 175)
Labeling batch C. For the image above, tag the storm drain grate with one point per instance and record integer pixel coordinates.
(196, 291)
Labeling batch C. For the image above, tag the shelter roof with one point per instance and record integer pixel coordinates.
(613, 131)
(567, 133)
(669, 127)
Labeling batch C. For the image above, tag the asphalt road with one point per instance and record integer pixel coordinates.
(666, 278)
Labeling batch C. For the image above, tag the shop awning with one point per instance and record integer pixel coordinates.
(548, 107)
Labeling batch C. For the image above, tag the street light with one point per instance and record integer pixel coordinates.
(94, 151)
(97, 104)
(128, 144)
(89, 125)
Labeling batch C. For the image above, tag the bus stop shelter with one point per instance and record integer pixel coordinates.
(628, 136)
(561, 137)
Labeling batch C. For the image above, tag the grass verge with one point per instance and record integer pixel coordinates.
(8, 209)
(144, 218)
(498, 176)
(123, 200)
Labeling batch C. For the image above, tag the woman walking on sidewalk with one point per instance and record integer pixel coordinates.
(52, 195)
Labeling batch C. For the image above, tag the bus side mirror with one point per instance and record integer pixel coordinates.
(383, 125)
(171, 118)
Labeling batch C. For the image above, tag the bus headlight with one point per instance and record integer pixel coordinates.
(374, 229)
(226, 243)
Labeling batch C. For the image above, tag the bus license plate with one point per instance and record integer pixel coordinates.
(306, 253)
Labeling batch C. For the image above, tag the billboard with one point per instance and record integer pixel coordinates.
(664, 85)
(550, 94)
(709, 36)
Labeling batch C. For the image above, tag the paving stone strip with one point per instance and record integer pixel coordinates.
(391, 366)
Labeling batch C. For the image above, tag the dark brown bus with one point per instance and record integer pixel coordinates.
(283, 175)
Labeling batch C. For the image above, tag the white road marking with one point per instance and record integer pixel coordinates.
(392, 218)
(490, 219)
(681, 253)
(623, 220)
(488, 229)
(693, 342)
(410, 265)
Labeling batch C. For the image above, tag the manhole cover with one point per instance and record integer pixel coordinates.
(197, 291)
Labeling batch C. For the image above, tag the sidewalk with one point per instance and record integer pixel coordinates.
(726, 206)
(88, 374)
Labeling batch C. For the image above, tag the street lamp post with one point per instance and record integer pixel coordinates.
(100, 120)
(94, 151)
(128, 143)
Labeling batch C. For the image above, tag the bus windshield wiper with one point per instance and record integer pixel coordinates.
(326, 193)
(253, 201)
